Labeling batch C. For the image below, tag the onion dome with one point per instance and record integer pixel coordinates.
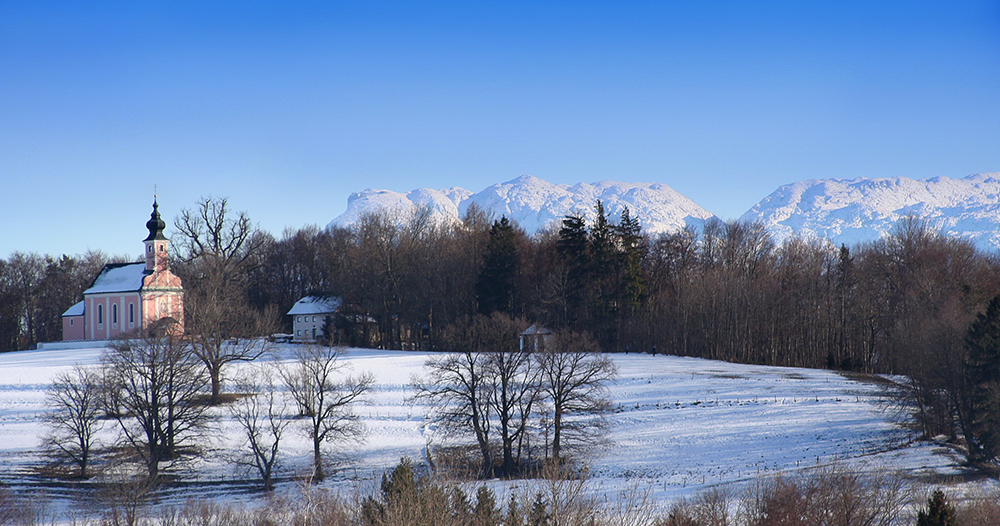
(155, 224)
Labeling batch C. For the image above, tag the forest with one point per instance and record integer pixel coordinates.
(908, 304)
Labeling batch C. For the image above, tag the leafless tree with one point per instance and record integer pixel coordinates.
(574, 379)
(515, 390)
(73, 421)
(485, 388)
(159, 382)
(219, 249)
(324, 394)
(260, 412)
(458, 388)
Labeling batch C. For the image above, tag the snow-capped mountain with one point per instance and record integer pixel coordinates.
(534, 204)
(856, 210)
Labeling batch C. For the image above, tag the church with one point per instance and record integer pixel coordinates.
(129, 297)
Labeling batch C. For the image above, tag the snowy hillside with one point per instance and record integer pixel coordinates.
(535, 203)
(856, 210)
(680, 425)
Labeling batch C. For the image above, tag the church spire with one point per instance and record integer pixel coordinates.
(156, 242)
(155, 224)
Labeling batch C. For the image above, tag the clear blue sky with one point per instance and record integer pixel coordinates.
(287, 109)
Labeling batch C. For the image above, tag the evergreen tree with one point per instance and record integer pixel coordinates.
(606, 278)
(983, 377)
(629, 234)
(575, 249)
(495, 286)
(939, 512)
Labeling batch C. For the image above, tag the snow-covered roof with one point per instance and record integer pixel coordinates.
(75, 310)
(315, 305)
(118, 277)
(535, 329)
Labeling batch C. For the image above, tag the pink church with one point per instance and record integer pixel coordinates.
(128, 297)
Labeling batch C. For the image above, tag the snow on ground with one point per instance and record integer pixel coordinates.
(680, 425)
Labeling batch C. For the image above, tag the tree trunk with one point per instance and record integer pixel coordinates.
(318, 475)
(216, 374)
(556, 433)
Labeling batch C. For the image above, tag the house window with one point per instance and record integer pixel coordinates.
(314, 318)
(100, 314)
(131, 314)
(314, 333)
(298, 332)
(114, 314)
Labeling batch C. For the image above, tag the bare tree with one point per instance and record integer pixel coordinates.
(73, 421)
(325, 396)
(158, 381)
(574, 379)
(515, 390)
(261, 414)
(485, 389)
(219, 249)
(458, 388)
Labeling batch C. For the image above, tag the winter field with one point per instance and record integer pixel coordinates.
(680, 426)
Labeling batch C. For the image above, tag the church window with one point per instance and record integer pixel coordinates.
(114, 314)
(100, 314)
(131, 314)
(71, 320)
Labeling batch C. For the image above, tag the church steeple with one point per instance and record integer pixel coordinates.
(156, 242)
(155, 224)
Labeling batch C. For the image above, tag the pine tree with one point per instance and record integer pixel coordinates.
(982, 368)
(575, 249)
(939, 512)
(629, 234)
(496, 284)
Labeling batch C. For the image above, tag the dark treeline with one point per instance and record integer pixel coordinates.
(728, 293)
(901, 305)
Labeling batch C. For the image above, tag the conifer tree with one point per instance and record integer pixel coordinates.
(939, 512)
(496, 284)
(983, 377)
(575, 248)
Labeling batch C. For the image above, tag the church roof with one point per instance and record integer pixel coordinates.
(118, 277)
(315, 305)
(75, 310)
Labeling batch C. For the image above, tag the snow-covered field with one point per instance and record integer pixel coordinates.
(680, 425)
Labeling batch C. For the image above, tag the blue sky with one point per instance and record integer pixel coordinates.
(286, 109)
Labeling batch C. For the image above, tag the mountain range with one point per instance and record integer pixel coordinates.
(845, 211)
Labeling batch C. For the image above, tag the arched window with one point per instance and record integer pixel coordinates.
(114, 314)
(100, 314)
(131, 314)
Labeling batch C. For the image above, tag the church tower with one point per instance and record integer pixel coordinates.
(156, 243)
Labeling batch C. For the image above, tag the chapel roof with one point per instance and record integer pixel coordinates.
(118, 277)
(76, 310)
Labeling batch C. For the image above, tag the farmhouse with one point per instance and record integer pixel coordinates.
(128, 297)
(309, 315)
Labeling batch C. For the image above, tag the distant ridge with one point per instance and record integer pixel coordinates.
(535, 204)
(850, 211)
(845, 211)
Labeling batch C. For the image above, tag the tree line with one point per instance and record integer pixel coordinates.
(904, 304)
